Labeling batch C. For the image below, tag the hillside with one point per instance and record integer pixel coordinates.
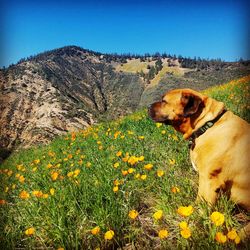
(124, 184)
(60, 91)
(71, 88)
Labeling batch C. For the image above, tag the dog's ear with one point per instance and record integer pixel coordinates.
(190, 102)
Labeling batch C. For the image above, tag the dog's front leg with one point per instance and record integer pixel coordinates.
(207, 190)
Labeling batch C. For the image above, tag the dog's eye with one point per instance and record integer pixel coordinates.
(164, 101)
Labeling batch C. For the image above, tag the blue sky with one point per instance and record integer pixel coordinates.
(208, 29)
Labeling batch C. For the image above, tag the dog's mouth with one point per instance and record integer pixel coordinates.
(167, 122)
(157, 118)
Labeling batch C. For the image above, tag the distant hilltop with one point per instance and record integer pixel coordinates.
(70, 88)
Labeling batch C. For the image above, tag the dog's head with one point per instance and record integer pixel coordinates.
(184, 109)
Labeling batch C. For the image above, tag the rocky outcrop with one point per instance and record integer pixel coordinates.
(63, 91)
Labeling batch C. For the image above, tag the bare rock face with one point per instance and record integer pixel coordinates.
(61, 91)
(32, 110)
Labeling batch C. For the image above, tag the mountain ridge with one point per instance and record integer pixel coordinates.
(70, 88)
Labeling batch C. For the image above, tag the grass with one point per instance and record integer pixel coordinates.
(173, 70)
(54, 196)
(134, 65)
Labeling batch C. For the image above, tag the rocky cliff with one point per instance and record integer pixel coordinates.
(60, 91)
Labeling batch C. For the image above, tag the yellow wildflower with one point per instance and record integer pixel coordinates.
(52, 191)
(70, 174)
(175, 137)
(119, 153)
(124, 172)
(220, 237)
(132, 160)
(10, 172)
(37, 161)
(137, 176)
(21, 178)
(172, 162)
(77, 172)
(24, 195)
(51, 154)
(163, 132)
(141, 137)
(88, 165)
(37, 193)
(186, 233)
(232, 234)
(116, 165)
(141, 158)
(95, 230)
(237, 240)
(143, 177)
(185, 211)
(175, 190)
(30, 231)
(116, 182)
(54, 176)
(158, 215)
(19, 167)
(133, 214)
(45, 196)
(109, 235)
(158, 125)
(217, 218)
(160, 173)
(116, 134)
(163, 233)
(131, 170)
(115, 189)
(148, 166)
(125, 159)
(183, 225)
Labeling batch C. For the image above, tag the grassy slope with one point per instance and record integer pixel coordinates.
(82, 166)
(135, 65)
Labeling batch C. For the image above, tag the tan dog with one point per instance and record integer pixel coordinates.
(220, 143)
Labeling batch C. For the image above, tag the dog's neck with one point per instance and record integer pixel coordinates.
(203, 129)
(209, 110)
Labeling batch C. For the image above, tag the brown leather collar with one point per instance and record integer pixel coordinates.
(203, 129)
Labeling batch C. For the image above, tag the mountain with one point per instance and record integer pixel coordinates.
(70, 88)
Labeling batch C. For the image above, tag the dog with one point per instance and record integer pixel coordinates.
(219, 144)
